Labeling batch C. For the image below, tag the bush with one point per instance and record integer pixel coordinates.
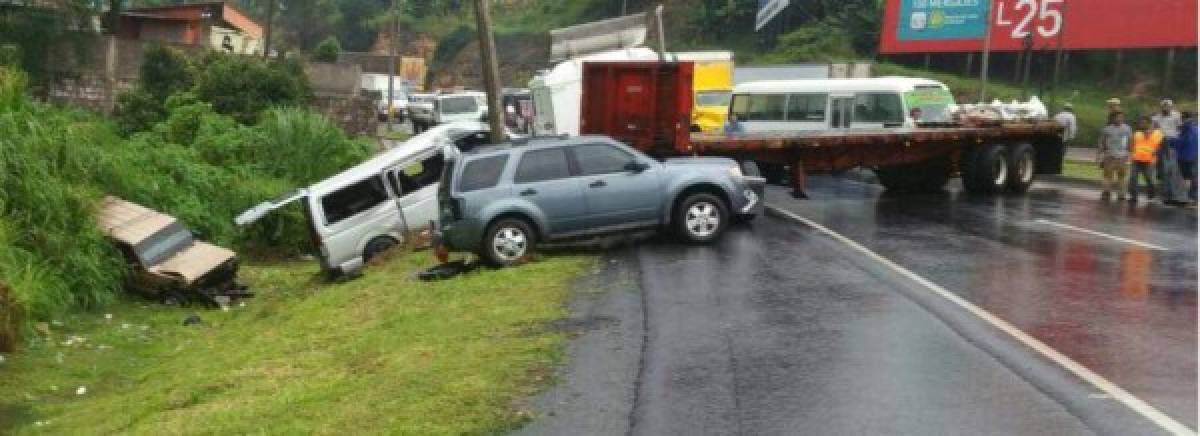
(198, 165)
(327, 50)
(137, 111)
(164, 71)
(243, 87)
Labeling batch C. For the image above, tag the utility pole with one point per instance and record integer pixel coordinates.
(392, 62)
(491, 71)
(987, 52)
(267, 34)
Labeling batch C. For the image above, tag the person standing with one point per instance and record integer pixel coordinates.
(1113, 154)
(1168, 121)
(733, 126)
(1185, 152)
(1066, 119)
(1146, 142)
(1114, 106)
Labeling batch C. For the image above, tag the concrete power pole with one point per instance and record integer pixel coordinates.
(267, 34)
(392, 62)
(491, 71)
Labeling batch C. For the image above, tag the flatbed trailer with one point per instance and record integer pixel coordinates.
(648, 105)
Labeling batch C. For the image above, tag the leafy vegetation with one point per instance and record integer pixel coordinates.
(198, 165)
(384, 353)
(327, 50)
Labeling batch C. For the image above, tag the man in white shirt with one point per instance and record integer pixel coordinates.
(1066, 119)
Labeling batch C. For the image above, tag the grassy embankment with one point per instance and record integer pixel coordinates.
(381, 354)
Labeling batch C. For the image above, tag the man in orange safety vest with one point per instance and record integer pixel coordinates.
(1145, 144)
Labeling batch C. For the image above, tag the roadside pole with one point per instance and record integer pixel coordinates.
(267, 33)
(491, 71)
(391, 64)
(987, 52)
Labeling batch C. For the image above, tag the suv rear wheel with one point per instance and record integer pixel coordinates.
(700, 218)
(507, 241)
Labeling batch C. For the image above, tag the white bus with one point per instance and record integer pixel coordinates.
(830, 104)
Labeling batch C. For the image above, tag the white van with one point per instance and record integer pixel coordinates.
(379, 203)
(831, 104)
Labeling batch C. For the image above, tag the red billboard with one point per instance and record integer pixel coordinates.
(922, 26)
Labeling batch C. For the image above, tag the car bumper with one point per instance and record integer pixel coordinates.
(748, 200)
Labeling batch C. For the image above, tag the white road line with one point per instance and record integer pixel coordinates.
(1102, 235)
(1116, 392)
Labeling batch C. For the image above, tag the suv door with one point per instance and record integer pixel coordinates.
(615, 194)
(544, 178)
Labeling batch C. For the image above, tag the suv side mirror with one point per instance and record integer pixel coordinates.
(636, 167)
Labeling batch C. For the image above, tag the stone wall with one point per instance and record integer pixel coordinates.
(354, 114)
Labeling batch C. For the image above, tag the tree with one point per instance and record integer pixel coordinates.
(164, 71)
(327, 50)
(243, 87)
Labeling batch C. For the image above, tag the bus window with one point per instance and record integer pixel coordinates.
(759, 107)
(878, 108)
(806, 107)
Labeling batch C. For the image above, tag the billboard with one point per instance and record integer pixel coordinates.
(924, 26)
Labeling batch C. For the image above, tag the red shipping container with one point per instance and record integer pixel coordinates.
(647, 105)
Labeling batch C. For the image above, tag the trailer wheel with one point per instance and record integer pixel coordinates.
(986, 171)
(921, 177)
(1022, 165)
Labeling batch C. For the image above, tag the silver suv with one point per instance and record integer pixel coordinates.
(499, 201)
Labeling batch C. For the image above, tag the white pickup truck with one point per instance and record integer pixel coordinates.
(445, 108)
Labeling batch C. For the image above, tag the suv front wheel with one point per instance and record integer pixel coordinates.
(700, 218)
(507, 241)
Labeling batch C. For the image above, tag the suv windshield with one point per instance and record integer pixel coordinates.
(459, 105)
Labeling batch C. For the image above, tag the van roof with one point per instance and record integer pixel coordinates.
(893, 84)
(414, 146)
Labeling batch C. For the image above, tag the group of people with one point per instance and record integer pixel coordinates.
(1159, 150)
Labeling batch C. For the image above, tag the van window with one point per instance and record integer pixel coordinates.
(878, 108)
(482, 173)
(416, 175)
(353, 199)
(541, 165)
(806, 107)
(759, 107)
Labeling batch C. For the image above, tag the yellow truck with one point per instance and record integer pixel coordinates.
(712, 85)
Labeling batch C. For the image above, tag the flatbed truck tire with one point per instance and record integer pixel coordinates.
(986, 170)
(1022, 165)
(922, 177)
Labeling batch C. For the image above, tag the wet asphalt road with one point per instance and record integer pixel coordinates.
(779, 329)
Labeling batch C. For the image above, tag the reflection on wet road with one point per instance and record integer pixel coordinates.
(1111, 286)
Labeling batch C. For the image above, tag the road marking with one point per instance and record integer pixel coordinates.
(1102, 235)
(1096, 380)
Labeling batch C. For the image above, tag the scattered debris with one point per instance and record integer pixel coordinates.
(81, 391)
(169, 264)
(74, 340)
(193, 319)
(1, 359)
(446, 270)
(108, 317)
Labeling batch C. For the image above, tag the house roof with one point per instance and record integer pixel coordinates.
(227, 14)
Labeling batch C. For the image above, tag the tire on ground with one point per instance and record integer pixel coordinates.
(700, 218)
(922, 177)
(986, 170)
(1022, 165)
(491, 251)
(376, 246)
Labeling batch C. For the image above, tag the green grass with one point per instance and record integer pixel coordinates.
(381, 354)
(1082, 170)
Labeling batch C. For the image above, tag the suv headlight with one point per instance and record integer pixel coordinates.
(735, 171)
